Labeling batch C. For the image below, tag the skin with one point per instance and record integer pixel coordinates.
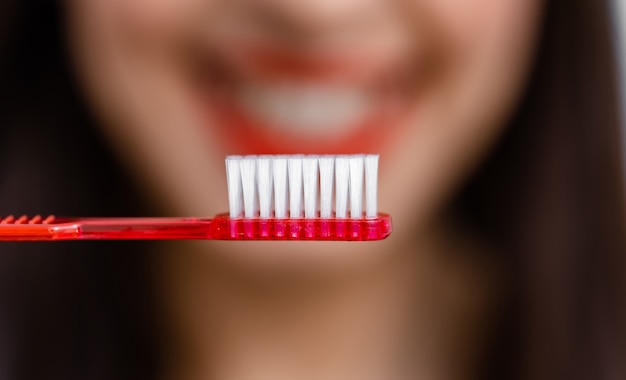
(417, 304)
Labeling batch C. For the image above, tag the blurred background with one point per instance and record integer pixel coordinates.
(620, 24)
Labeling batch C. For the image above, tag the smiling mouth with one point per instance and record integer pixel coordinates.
(309, 109)
(267, 102)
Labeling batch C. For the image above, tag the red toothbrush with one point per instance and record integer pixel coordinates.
(270, 198)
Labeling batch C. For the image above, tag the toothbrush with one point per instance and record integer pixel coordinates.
(295, 197)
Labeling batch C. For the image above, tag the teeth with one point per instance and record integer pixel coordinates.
(307, 108)
(302, 186)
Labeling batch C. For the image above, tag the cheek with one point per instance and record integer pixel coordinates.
(142, 22)
(478, 21)
(491, 46)
(484, 49)
(127, 58)
(492, 43)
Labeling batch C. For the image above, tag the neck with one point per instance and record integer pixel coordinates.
(409, 315)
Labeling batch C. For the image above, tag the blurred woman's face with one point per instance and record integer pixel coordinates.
(428, 84)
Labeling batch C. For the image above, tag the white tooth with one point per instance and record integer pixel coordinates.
(356, 186)
(280, 104)
(322, 109)
(327, 164)
(233, 179)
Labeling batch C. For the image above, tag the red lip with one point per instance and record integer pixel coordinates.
(266, 61)
(242, 134)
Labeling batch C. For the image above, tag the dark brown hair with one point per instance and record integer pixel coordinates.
(69, 311)
(550, 195)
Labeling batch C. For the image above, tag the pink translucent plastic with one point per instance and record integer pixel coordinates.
(222, 227)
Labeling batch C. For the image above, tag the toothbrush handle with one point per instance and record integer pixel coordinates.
(108, 229)
(220, 227)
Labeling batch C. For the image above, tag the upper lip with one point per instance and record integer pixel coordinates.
(260, 62)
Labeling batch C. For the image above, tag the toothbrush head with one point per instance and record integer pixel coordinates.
(304, 197)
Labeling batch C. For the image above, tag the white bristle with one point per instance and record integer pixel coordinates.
(356, 187)
(297, 186)
(342, 178)
(310, 182)
(371, 186)
(233, 180)
(327, 166)
(294, 167)
(279, 174)
(248, 183)
(264, 185)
